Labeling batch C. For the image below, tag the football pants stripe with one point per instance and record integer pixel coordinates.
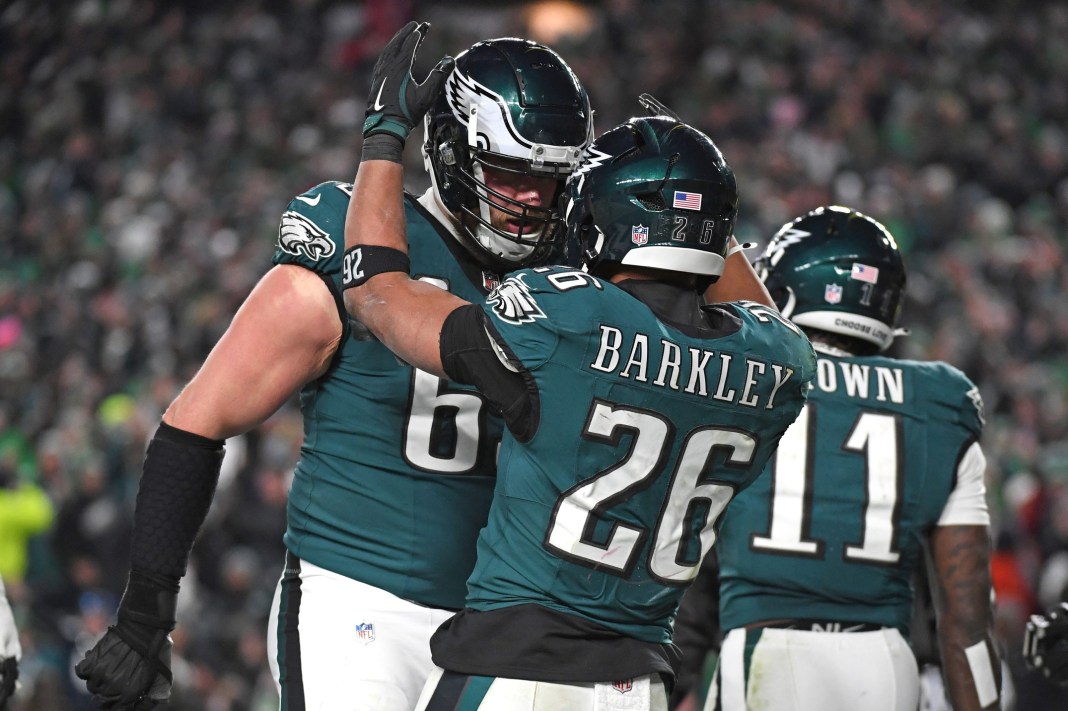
(289, 663)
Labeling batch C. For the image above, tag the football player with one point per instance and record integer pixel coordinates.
(816, 558)
(634, 411)
(10, 649)
(397, 465)
(1045, 644)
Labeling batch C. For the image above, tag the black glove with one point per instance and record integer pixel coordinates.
(129, 669)
(9, 674)
(397, 101)
(1045, 644)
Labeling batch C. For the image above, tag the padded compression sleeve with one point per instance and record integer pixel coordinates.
(471, 355)
(178, 482)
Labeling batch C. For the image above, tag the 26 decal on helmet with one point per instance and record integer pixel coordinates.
(512, 106)
(839, 271)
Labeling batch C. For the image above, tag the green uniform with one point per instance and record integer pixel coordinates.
(644, 431)
(396, 468)
(833, 529)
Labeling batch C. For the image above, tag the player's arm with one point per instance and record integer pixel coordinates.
(739, 281)
(961, 588)
(970, 661)
(282, 336)
(405, 314)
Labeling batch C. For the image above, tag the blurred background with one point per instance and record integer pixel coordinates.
(148, 149)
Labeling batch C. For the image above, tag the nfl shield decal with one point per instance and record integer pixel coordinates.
(365, 632)
(639, 234)
(832, 294)
(490, 281)
(623, 686)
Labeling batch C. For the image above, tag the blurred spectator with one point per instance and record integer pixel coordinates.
(25, 511)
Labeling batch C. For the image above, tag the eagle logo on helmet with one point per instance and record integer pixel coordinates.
(977, 402)
(298, 235)
(513, 302)
(787, 237)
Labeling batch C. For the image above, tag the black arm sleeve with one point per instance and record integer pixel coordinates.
(178, 482)
(468, 356)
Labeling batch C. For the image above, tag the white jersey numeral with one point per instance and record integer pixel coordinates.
(433, 402)
(874, 436)
(578, 509)
(466, 408)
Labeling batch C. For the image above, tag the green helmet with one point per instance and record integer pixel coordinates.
(515, 106)
(836, 270)
(653, 192)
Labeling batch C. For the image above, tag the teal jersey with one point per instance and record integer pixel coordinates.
(833, 529)
(396, 469)
(644, 431)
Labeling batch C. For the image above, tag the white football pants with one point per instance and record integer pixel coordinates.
(801, 670)
(446, 691)
(337, 644)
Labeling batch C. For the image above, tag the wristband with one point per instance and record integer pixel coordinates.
(383, 146)
(365, 261)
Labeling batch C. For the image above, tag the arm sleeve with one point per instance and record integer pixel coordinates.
(966, 505)
(472, 354)
(178, 482)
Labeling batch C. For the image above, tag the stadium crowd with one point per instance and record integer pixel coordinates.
(148, 148)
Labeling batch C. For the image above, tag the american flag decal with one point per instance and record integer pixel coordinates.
(862, 272)
(687, 201)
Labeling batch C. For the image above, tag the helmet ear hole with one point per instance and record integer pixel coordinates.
(589, 250)
(653, 202)
(448, 156)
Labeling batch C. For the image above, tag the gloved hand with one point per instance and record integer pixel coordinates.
(129, 669)
(9, 674)
(397, 101)
(1045, 644)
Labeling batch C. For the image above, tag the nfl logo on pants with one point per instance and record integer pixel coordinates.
(623, 686)
(365, 631)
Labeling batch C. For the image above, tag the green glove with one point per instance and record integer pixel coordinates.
(397, 101)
